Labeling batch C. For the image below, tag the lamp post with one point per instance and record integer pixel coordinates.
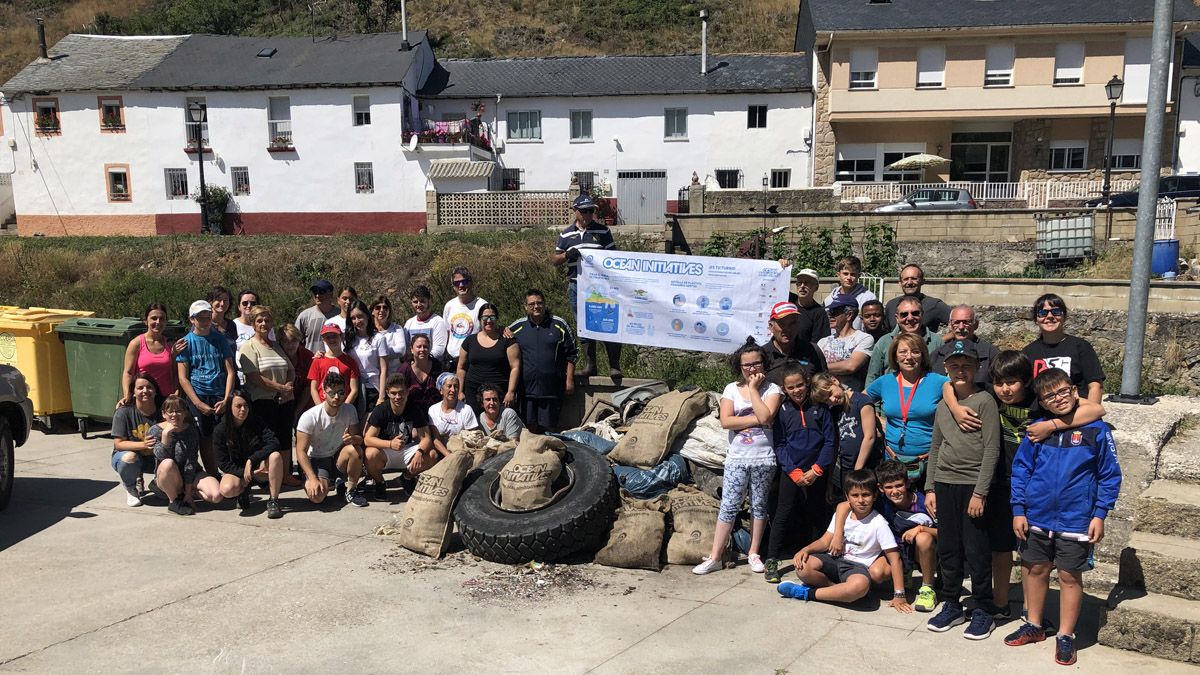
(1113, 90)
(199, 115)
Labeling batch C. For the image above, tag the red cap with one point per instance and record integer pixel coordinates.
(782, 309)
(330, 329)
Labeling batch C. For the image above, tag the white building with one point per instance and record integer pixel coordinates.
(348, 134)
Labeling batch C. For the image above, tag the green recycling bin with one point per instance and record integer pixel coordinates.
(95, 350)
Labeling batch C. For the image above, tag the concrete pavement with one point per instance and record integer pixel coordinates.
(90, 585)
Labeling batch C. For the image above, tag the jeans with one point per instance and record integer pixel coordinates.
(129, 472)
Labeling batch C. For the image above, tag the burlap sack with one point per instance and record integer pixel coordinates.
(426, 524)
(526, 481)
(637, 537)
(480, 447)
(655, 429)
(693, 525)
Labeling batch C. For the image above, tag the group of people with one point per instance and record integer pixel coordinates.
(875, 445)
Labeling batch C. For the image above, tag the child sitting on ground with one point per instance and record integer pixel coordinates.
(904, 510)
(176, 452)
(871, 554)
(1062, 489)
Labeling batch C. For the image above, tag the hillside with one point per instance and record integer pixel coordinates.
(478, 28)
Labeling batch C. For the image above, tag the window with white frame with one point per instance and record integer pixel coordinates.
(525, 125)
(998, 65)
(197, 132)
(362, 110)
(116, 178)
(364, 178)
(675, 123)
(279, 121)
(1127, 154)
(1068, 63)
(240, 176)
(756, 117)
(891, 157)
(729, 178)
(1068, 155)
(781, 178)
(931, 67)
(855, 163)
(177, 184)
(581, 125)
(864, 61)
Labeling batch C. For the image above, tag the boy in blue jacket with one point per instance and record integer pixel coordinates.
(1062, 489)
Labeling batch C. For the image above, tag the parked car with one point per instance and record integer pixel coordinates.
(16, 419)
(932, 199)
(1175, 187)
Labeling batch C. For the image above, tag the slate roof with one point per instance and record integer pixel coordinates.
(193, 62)
(617, 76)
(852, 15)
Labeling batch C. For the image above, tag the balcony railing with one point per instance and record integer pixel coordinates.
(1035, 194)
(472, 132)
(280, 134)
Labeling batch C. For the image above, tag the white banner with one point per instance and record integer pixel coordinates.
(682, 302)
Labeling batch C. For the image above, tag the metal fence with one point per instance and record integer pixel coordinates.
(497, 210)
(1036, 194)
(1164, 219)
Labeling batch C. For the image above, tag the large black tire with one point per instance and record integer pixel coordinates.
(575, 522)
(8, 462)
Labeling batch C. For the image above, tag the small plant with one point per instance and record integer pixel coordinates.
(281, 142)
(46, 122)
(111, 121)
(217, 198)
(845, 247)
(880, 257)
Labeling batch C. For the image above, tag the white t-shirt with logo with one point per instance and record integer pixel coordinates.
(463, 321)
(457, 420)
(324, 432)
(753, 445)
(866, 539)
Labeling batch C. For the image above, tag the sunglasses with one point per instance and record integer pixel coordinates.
(839, 311)
(381, 308)
(586, 210)
(488, 319)
(461, 283)
(905, 315)
(1053, 311)
(249, 303)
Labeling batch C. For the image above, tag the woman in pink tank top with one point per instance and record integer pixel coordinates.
(150, 353)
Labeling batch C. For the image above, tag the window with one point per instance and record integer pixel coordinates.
(998, 67)
(756, 117)
(1068, 155)
(176, 180)
(279, 121)
(856, 163)
(241, 180)
(362, 111)
(1127, 154)
(931, 67)
(1068, 63)
(1136, 73)
(581, 125)
(364, 178)
(45, 117)
(112, 114)
(511, 179)
(781, 178)
(863, 63)
(586, 180)
(116, 177)
(197, 132)
(890, 158)
(675, 123)
(729, 178)
(525, 125)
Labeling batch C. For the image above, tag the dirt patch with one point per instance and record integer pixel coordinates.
(531, 583)
(402, 561)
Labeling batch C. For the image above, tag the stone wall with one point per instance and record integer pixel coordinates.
(960, 258)
(788, 201)
(824, 142)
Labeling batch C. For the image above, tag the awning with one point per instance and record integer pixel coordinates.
(460, 168)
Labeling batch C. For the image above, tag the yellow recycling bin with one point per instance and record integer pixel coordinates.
(28, 342)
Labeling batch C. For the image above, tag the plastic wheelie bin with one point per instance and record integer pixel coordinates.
(28, 341)
(95, 354)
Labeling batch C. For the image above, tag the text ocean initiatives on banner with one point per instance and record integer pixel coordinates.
(682, 302)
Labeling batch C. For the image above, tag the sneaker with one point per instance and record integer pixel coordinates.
(1048, 627)
(273, 510)
(1027, 634)
(355, 496)
(709, 565)
(180, 508)
(153, 487)
(756, 563)
(1002, 613)
(798, 591)
(950, 616)
(771, 571)
(1064, 650)
(243, 499)
(381, 491)
(981, 626)
(339, 486)
(131, 498)
(140, 485)
(926, 599)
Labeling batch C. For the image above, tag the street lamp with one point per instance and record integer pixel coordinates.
(1113, 90)
(199, 115)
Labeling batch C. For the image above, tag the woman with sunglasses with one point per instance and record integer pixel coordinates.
(152, 354)
(243, 323)
(391, 341)
(488, 356)
(1054, 348)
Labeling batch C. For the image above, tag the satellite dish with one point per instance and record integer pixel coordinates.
(412, 143)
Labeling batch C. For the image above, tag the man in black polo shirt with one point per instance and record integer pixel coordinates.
(585, 233)
(548, 355)
(934, 312)
(786, 346)
(963, 325)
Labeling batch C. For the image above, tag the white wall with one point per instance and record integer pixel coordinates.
(1189, 124)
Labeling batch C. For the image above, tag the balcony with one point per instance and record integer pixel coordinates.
(452, 135)
(197, 137)
(280, 135)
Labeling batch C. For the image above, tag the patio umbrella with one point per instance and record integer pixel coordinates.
(920, 161)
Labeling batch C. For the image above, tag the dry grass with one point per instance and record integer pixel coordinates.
(18, 33)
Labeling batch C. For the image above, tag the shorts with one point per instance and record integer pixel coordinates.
(400, 459)
(542, 412)
(325, 467)
(997, 515)
(204, 423)
(838, 570)
(1066, 554)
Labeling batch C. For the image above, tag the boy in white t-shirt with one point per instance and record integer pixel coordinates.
(870, 553)
(425, 321)
(462, 311)
(329, 445)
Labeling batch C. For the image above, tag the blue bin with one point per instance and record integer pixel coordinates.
(1165, 258)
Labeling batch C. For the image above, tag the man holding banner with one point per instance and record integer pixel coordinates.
(586, 233)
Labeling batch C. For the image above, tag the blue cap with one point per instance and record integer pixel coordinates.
(964, 348)
(842, 301)
(583, 202)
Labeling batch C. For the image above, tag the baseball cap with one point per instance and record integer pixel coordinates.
(583, 202)
(321, 286)
(841, 302)
(782, 309)
(198, 307)
(330, 329)
(964, 348)
(809, 272)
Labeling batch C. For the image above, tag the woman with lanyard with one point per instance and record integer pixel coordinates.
(152, 354)
(910, 396)
(422, 372)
